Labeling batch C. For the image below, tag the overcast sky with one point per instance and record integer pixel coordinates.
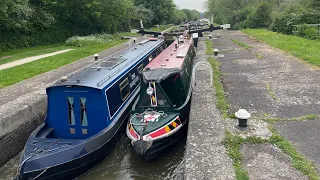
(191, 4)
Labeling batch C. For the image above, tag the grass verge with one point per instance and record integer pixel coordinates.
(19, 73)
(16, 54)
(305, 49)
(242, 44)
(220, 94)
(298, 161)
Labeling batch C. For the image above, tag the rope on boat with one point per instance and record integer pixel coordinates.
(37, 151)
(149, 112)
(45, 170)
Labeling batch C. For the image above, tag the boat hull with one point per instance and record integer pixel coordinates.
(151, 151)
(160, 146)
(80, 165)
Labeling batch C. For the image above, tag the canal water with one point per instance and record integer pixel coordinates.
(123, 164)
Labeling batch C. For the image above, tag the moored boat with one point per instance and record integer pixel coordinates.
(162, 110)
(86, 115)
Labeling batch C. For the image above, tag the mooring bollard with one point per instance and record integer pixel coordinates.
(96, 57)
(216, 51)
(243, 116)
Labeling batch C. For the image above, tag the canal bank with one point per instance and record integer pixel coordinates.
(23, 105)
(205, 157)
(282, 94)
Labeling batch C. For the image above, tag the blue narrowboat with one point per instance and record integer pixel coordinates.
(86, 115)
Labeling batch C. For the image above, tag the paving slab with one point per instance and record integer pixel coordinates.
(265, 80)
(205, 156)
(305, 136)
(267, 162)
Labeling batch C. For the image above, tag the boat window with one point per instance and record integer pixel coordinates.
(71, 111)
(156, 99)
(173, 87)
(140, 68)
(150, 58)
(124, 89)
(83, 112)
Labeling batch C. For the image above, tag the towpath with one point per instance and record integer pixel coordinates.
(30, 59)
(273, 86)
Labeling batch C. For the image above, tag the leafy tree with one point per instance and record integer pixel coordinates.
(162, 10)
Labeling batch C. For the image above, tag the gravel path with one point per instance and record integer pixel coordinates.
(30, 59)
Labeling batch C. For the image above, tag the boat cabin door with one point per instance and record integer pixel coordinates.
(77, 116)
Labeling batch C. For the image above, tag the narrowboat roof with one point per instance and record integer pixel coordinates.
(171, 57)
(101, 73)
(167, 63)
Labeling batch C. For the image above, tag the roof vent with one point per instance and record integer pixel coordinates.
(64, 78)
(143, 42)
(180, 55)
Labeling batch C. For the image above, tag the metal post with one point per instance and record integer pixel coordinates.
(243, 116)
(96, 57)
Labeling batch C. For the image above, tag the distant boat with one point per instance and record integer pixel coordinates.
(162, 110)
(86, 115)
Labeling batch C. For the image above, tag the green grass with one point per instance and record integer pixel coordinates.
(298, 161)
(233, 145)
(242, 44)
(19, 73)
(17, 54)
(220, 94)
(270, 92)
(161, 28)
(307, 117)
(259, 56)
(305, 49)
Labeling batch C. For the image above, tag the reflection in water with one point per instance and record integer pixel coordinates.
(124, 164)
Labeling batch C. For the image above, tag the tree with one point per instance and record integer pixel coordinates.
(162, 10)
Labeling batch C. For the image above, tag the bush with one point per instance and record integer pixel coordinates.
(282, 24)
(80, 41)
(306, 31)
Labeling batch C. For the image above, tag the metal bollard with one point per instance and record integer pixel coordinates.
(243, 116)
(96, 57)
(216, 51)
(210, 36)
